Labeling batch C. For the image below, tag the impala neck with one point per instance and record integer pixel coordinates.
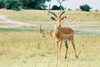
(57, 29)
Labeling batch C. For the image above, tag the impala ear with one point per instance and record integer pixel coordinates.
(63, 18)
(52, 18)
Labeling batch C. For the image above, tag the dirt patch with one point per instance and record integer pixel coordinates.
(11, 23)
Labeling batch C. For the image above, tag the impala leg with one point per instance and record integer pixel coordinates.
(60, 45)
(46, 43)
(74, 48)
(66, 45)
(57, 44)
(51, 34)
(58, 52)
(43, 35)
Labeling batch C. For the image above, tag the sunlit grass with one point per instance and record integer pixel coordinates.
(28, 49)
(25, 46)
(32, 16)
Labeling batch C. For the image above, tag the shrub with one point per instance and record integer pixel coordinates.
(7, 4)
(33, 4)
(10, 4)
(15, 6)
(1, 4)
(85, 7)
(69, 9)
(55, 7)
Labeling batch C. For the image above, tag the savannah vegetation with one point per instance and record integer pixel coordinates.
(25, 47)
(28, 49)
(23, 4)
(85, 7)
(35, 4)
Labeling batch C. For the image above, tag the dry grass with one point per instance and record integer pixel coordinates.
(34, 16)
(28, 49)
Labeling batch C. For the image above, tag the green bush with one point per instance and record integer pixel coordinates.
(1, 4)
(33, 4)
(8, 4)
(55, 7)
(15, 6)
(11, 4)
(25, 4)
(69, 9)
(85, 7)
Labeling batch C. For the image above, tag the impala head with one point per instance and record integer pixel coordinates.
(56, 18)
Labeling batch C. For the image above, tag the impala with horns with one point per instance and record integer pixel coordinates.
(62, 33)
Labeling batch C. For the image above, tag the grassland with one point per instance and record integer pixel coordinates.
(28, 49)
(85, 22)
(25, 47)
(30, 16)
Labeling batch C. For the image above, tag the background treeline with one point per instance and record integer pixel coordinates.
(26, 4)
(35, 4)
(23, 4)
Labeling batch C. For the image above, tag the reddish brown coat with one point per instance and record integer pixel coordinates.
(63, 33)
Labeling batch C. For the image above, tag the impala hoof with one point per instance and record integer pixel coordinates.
(65, 58)
(76, 56)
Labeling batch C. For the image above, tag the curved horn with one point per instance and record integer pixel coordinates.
(51, 12)
(61, 14)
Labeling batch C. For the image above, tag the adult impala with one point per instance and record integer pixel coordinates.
(62, 33)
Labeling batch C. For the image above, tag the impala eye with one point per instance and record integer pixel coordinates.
(52, 18)
(63, 18)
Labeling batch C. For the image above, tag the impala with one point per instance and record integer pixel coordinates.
(62, 33)
(44, 32)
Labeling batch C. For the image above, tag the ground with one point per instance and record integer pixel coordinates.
(21, 44)
(81, 22)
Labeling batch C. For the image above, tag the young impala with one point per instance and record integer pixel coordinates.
(62, 33)
(44, 32)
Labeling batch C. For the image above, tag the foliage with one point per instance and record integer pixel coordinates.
(85, 7)
(77, 9)
(33, 4)
(8, 4)
(69, 9)
(15, 6)
(55, 7)
(1, 4)
(11, 4)
(25, 4)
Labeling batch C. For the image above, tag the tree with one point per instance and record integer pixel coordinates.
(85, 7)
(55, 7)
(15, 5)
(26, 4)
(33, 4)
(60, 7)
(69, 9)
(2, 4)
(12, 4)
